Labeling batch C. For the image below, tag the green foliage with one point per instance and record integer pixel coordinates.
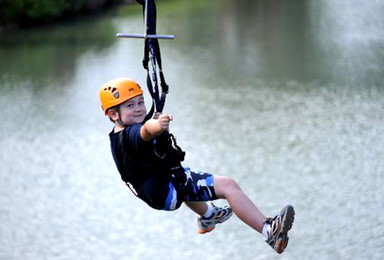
(45, 8)
(29, 12)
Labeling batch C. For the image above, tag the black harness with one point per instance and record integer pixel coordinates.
(152, 54)
(166, 148)
(168, 157)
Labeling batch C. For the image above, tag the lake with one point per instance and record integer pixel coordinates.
(285, 98)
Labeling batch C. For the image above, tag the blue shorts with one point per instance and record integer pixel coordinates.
(198, 186)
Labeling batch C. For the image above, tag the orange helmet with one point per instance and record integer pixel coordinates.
(117, 91)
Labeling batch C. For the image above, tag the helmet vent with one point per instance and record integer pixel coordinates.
(114, 91)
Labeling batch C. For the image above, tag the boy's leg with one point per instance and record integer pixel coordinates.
(241, 205)
(198, 194)
(199, 207)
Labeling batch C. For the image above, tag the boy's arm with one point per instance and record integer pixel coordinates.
(154, 127)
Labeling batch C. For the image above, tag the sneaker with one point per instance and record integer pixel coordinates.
(278, 227)
(219, 215)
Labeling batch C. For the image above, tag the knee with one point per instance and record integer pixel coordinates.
(225, 186)
(230, 183)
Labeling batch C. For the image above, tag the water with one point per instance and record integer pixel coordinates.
(285, 98)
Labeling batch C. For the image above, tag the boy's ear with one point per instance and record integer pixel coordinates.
(112, 114)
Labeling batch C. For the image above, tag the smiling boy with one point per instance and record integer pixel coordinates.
(149, 161)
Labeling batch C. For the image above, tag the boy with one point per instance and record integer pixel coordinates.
(149, 161)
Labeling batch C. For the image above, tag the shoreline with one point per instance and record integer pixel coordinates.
(89, 10)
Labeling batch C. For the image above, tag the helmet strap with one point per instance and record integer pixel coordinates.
(119, 121)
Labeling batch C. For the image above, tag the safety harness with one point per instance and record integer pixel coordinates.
(152, 56)
(166, 147)
(152, 53)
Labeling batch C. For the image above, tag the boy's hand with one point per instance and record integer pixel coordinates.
(164, 120)
(155, 126)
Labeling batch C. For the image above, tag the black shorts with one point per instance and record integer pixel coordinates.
(169, 194)
(197, 187)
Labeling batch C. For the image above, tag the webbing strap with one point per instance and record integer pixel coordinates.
(152, 55)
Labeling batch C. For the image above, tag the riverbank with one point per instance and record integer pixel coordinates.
(15, 16)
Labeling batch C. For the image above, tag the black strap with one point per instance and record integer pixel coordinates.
(152, 59)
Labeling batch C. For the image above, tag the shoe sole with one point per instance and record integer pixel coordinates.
(203, 231)
(286, 224)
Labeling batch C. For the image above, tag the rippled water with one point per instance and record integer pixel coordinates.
(286, 98)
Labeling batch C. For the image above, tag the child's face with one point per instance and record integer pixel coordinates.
(133, 111)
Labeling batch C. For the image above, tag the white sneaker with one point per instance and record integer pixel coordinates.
(219, 215)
